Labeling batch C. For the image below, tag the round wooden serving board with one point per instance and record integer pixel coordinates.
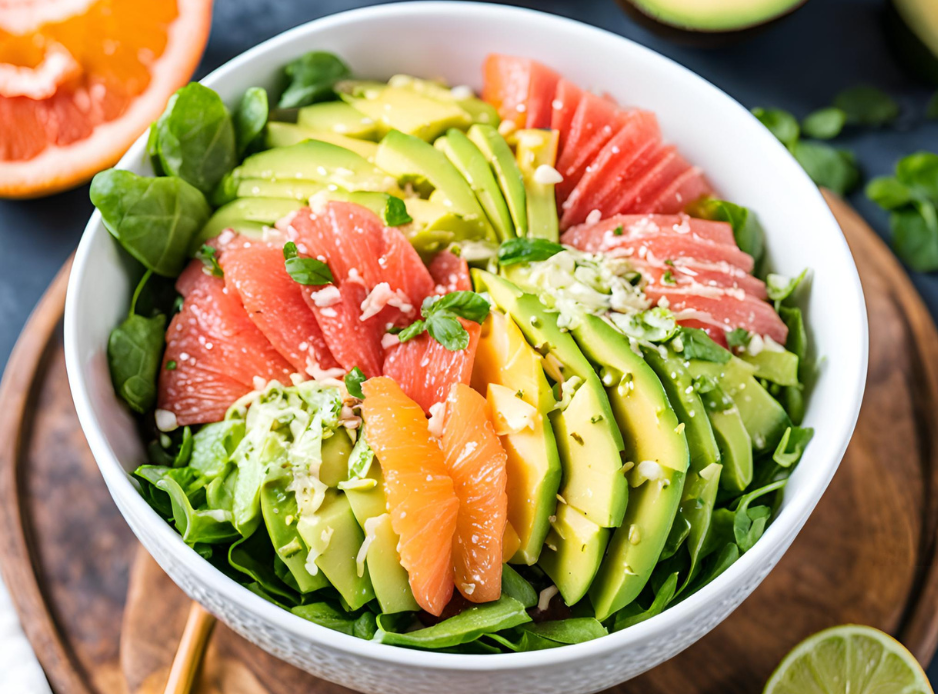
(104, 619)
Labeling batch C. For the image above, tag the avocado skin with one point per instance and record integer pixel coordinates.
(593, 481)
(650, 428)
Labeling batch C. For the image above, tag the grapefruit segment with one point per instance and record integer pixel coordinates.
(683, 190)
(566, 99)
(593, 124)
(213, 352)
(541, 90)
(424, 368)
(421, 497)
(722, 308)
(477, 463)
(79, 82)
(520, 89)
(629, 149)
(275, 303)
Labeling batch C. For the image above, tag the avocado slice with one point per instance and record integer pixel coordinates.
(317, 161)
(406, 110)
(246, 216)
(763, 417)
(291, 190)
(588, 439)
(504, 358)
(389, 578)
(480, 111)
(286, 134)
(335, 452)
(652, 434)
(777, 366)
(474, 167)
(538, 148)
(496, 150)
(573, 552)
(339, 118)
(712, 16)
(278, 507)
(334, 536)
(407, 158)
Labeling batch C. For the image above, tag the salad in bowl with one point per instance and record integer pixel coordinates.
(420, 385)
(474, 374)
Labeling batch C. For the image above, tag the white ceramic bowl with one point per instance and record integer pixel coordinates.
(746, 165)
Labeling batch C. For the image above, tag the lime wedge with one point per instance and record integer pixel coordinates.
(849, 659)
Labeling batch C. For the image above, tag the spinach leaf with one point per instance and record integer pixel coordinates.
(250, 118)
(468, 625)
(210, 526)
(633, 614)
(748, 524)
(213, 445)
(366, 626)
(153, 150)
(715, 566)
(196, 137)
(525, 250)
(696, 344)
(259, 590)
(519, 640)
(865, 105)
(780, 123)
(747, 230)
(254, 557)
(311, 78)
(310, 272)
(824, 124)
(134, 352)
(791, 447)
(833, 168)
(797, 341)
(353, 383)
(184, 454)
(154, 219)
(568, 631)
(680, 530)
(697, 501)
(515, 586)
(326, 615)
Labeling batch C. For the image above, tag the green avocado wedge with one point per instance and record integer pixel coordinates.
(587, 437)
(480, 111)
(246, 216)
(474, 167)
(287, 134)
(409, 158)
(652, 435)
(499, 155)
(339, 118)
(538, 148)
(573, 552)
(406, 110)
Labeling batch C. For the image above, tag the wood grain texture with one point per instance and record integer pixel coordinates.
(867, 554)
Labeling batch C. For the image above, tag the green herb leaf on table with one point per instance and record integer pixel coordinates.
(525, 250)
(889, 192)
(209, 257)
(829, 167)
(311, 78)
(865, 105)
(780, 123)
(196, 137)
(915, 236)
(698, 345)
(919, 171)
(310, 272)
(154, 219)
(824, 124)
(747, 230)
(353, 383)
(468, 625)
(250, 118)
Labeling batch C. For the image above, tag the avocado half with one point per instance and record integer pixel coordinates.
(912, 28)
(706, 22)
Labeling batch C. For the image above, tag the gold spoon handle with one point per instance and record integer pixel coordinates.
(195, 637)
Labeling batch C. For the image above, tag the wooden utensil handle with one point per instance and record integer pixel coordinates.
(195, 637)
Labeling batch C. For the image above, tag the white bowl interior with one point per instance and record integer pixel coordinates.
(745, 163)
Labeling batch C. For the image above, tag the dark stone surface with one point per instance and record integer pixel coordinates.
(797, 64)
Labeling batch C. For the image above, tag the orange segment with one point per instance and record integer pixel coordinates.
(80, 80)
(421, 499)
(477, 463)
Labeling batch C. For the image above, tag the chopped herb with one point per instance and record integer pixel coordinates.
(171, 365)
(309, 272)
(618, 231)
(576, 437)
(825, 123)
(668, 278)
(669, 262)
(208, 256)
(596, 418)
(780, 123)
(519, 394)
(865, 105)
(738, 338)
(353, 383)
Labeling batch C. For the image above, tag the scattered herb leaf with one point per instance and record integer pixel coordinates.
(779, 287)
(829, 167)
(353, 382)
(746, 227)
(698, 345)
(791, 447)
(250, 118)
(525, 250)
(310, 272)
(865, 105)
(825, 123)
(208, 255)
(738, 338)
(780, 123)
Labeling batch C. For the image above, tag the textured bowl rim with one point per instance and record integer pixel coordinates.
(828, 449)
